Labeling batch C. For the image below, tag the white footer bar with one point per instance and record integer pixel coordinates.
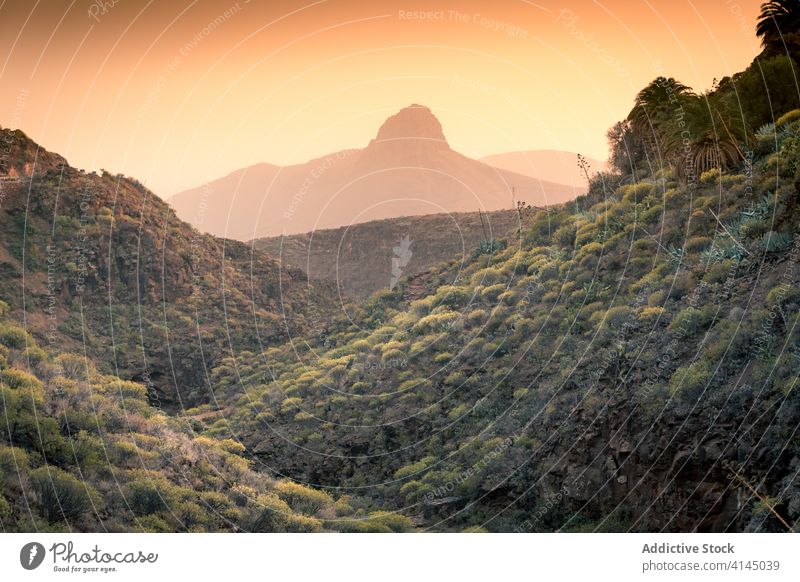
(400, 557)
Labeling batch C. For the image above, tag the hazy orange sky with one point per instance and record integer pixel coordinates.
(178, 93)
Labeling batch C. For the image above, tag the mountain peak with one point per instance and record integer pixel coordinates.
(412, 122)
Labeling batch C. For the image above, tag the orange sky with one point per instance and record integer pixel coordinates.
(178, 93)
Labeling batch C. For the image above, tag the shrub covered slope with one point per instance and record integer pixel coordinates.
(629, 363)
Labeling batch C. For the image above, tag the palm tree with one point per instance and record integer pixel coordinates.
(655, 102)
(656, 111)
(777, 18)
(714, 135)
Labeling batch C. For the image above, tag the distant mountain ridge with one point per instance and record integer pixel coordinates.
(359, 259)
(408, 169)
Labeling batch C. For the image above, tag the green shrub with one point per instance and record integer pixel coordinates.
(443, 358)
(394, 522)
(697, 244)
(592, 248)
(458, 411)
(266, 513)
(520, 393)
(657, 298)
(151, 494)
(690, 381)
(301, 498)
(14, 337)
(455, 378)
(711, 176)
(682, 284)
(728, 339)
(651, 215)
(718, 272)
(127, 390)
(34, 355)
(477, 317)
(60, 495)
(635, 193)
(753, 228)
(394, 356)
(491, 293)
(303, 524)
(74, 366)
(689, 321)
(488, 276)
(615, 317)
(789, 155)
(342, 506)
(564, 236)
(451, 296)
(783, 295)
(290, 404)
(586, 234)
(788, 117)
(5, 509)
(649, 315)
(489, 247)
(414, 468)
(731, 180)
(13, 462)
(435, 322)
(773, 242)
(766, 88)
(361, 345)
(22, 381)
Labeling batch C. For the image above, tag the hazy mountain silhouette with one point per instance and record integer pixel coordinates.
(408, 169)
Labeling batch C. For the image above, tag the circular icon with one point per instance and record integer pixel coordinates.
(31, 555)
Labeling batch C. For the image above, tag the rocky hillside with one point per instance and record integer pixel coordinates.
(408, 169)
(364, 258)
(97, 263)
(85, 451)
(630, 364)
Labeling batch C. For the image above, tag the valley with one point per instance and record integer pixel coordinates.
(401, 338)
